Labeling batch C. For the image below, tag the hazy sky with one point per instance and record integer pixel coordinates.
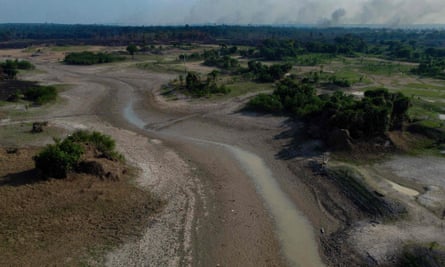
(150, 12)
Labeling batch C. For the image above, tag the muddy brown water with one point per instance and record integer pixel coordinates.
(294, 231)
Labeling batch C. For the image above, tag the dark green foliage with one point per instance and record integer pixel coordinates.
(90, 58)
(340, 82)
(273, 49)
(266, 103)
(131, 49)
(432, 68)
(58, 159)
(266, 74)
(24, 65)
(103, 143)
(378, 112)
(200, 88)
(348, 44)
(224, 62)
(190, 57)
(41, 94)
(9, 68)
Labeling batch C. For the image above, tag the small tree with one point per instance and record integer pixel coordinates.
(132, 49)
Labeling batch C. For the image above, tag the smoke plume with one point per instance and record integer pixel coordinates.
(327, 12)
(167, 12)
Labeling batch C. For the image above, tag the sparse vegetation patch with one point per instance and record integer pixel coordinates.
(90, 58)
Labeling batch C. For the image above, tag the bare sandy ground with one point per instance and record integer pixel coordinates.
(214, 215)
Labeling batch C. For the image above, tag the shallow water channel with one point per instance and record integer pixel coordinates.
(293, 229)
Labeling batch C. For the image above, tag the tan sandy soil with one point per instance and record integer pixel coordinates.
(64, 222)
(176, 236)
(213, 214)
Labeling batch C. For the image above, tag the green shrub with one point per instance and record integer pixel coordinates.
(197, 87)
(103, 143)
(265, 103)
(58, 159)
(24, 65)
(10, 68)
(41, 95)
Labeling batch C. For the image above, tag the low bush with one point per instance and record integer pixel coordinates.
(265, 103)
(103, 143)
(197, 87)
(9, 68)
(59, 159)
(41, 94)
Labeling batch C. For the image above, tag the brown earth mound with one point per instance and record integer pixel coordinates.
(69, 221)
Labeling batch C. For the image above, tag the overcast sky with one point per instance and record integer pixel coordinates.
(167, 12)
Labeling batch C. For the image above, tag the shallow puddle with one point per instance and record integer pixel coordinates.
(294, 230)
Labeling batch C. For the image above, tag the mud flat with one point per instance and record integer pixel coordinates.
(294, 230)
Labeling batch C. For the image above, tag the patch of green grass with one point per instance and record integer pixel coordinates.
(350, 75)
(159, 67)
(431, 123)
(428, 111)
(422, 92)
(20, 134)
(313, 59)
(382, 68)
(244, 87)
(424, 86)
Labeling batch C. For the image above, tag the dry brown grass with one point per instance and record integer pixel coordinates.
(65, 222)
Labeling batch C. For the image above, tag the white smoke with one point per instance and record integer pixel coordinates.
(329, 12)
(167, 12)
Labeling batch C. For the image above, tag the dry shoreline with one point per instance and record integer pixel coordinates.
(214, 214)
(169, 240)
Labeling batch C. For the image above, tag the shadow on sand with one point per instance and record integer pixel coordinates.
(21, 178)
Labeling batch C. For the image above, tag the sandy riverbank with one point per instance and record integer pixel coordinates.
(215, 212)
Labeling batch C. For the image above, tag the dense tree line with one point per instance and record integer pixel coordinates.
(433, 68)
(224, 62)
(241, 35)
(221, 58)
(275, 49)
(378, 112)
(266, 74)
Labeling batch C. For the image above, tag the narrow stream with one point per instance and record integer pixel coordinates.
(294, 230)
